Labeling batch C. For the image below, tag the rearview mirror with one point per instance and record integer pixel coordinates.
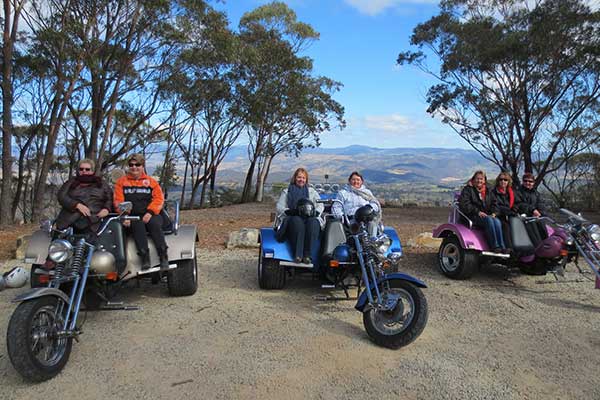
(125, 206)
(46, 225)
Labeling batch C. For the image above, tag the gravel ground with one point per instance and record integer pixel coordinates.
(496, 336)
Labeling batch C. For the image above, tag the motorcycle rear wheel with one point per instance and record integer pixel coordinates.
(402, 325)
(183, 280)
(34, 350)
(456, 262)
(271, 276)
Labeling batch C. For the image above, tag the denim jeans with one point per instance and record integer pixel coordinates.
(493, 232)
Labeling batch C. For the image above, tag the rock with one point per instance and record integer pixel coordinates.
(22, 242)
(426, 240)
(245, 237)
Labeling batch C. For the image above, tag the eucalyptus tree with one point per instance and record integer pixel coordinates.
(58, 56)
(285, 107)
(12, 11)
(124, 65)
(203, 81)
(516, 79)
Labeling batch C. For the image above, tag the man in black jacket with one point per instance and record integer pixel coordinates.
(529, 202)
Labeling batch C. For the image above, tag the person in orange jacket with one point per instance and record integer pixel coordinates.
(147, 198)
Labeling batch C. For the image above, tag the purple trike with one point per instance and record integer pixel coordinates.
(464, 247)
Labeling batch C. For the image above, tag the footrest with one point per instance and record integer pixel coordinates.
(156, 269)
(492, 254)
(294, 264)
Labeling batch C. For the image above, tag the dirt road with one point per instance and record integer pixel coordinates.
(493, 337)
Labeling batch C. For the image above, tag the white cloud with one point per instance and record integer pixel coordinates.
(374, 7)
(393, 123)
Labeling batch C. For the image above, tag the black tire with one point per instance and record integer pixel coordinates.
(380, 325)
(271, 276)
(27, 320)
(183, 280)
(456, 262)
(34, 279)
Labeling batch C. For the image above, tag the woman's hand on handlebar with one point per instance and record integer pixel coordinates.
(102, 213)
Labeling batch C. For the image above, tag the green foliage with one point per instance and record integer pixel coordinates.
(516, 81)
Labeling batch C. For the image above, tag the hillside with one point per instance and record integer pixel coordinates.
(379, 166)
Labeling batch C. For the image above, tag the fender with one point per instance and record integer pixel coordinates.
(40, 292)
(396, 246)
(473, 239)
(271, 248)
(362, 300)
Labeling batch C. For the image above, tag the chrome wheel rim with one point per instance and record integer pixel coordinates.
(47, 348)
(450, 257)
(393, 322)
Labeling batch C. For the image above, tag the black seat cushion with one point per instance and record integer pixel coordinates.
(520, 238)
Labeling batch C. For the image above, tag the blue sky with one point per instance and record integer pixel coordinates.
(360, 41)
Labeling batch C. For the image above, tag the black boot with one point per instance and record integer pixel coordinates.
(164, 258)
(145, 256)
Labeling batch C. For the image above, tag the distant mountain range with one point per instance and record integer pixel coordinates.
(378, 166)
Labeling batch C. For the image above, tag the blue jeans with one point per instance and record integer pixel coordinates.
(493, 232)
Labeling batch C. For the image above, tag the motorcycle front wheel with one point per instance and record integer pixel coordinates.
(401, 325)
(34, 348)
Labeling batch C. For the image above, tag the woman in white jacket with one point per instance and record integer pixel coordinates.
(355, 195)
(300, 221)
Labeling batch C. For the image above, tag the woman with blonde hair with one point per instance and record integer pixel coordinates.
(476, 203)
(299, 216)
(503, 203)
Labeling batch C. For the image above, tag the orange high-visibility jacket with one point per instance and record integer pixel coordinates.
(144, 192)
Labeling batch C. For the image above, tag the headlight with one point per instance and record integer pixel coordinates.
(594, 231)
(60, 250)
(383, 244)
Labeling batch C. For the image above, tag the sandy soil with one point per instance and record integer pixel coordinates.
(496, 336)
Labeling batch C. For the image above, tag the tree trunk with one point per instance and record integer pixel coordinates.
(187, 164)
(20, 179)
(262, 178)
(9, 37)
(60, 107)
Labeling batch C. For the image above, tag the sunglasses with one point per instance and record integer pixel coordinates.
(134, 165)
(85, 169)
(528, 181)
(503, 179)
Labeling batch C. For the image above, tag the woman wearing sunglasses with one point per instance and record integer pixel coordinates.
(504, 203)
(530, 203)
(85, 199)
(476, 203)
(148, 200)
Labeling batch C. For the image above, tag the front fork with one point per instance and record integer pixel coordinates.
(370, 279)
(76, 295)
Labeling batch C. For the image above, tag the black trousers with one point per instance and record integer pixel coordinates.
(302, 234)
(537, 231)
(154, 227)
